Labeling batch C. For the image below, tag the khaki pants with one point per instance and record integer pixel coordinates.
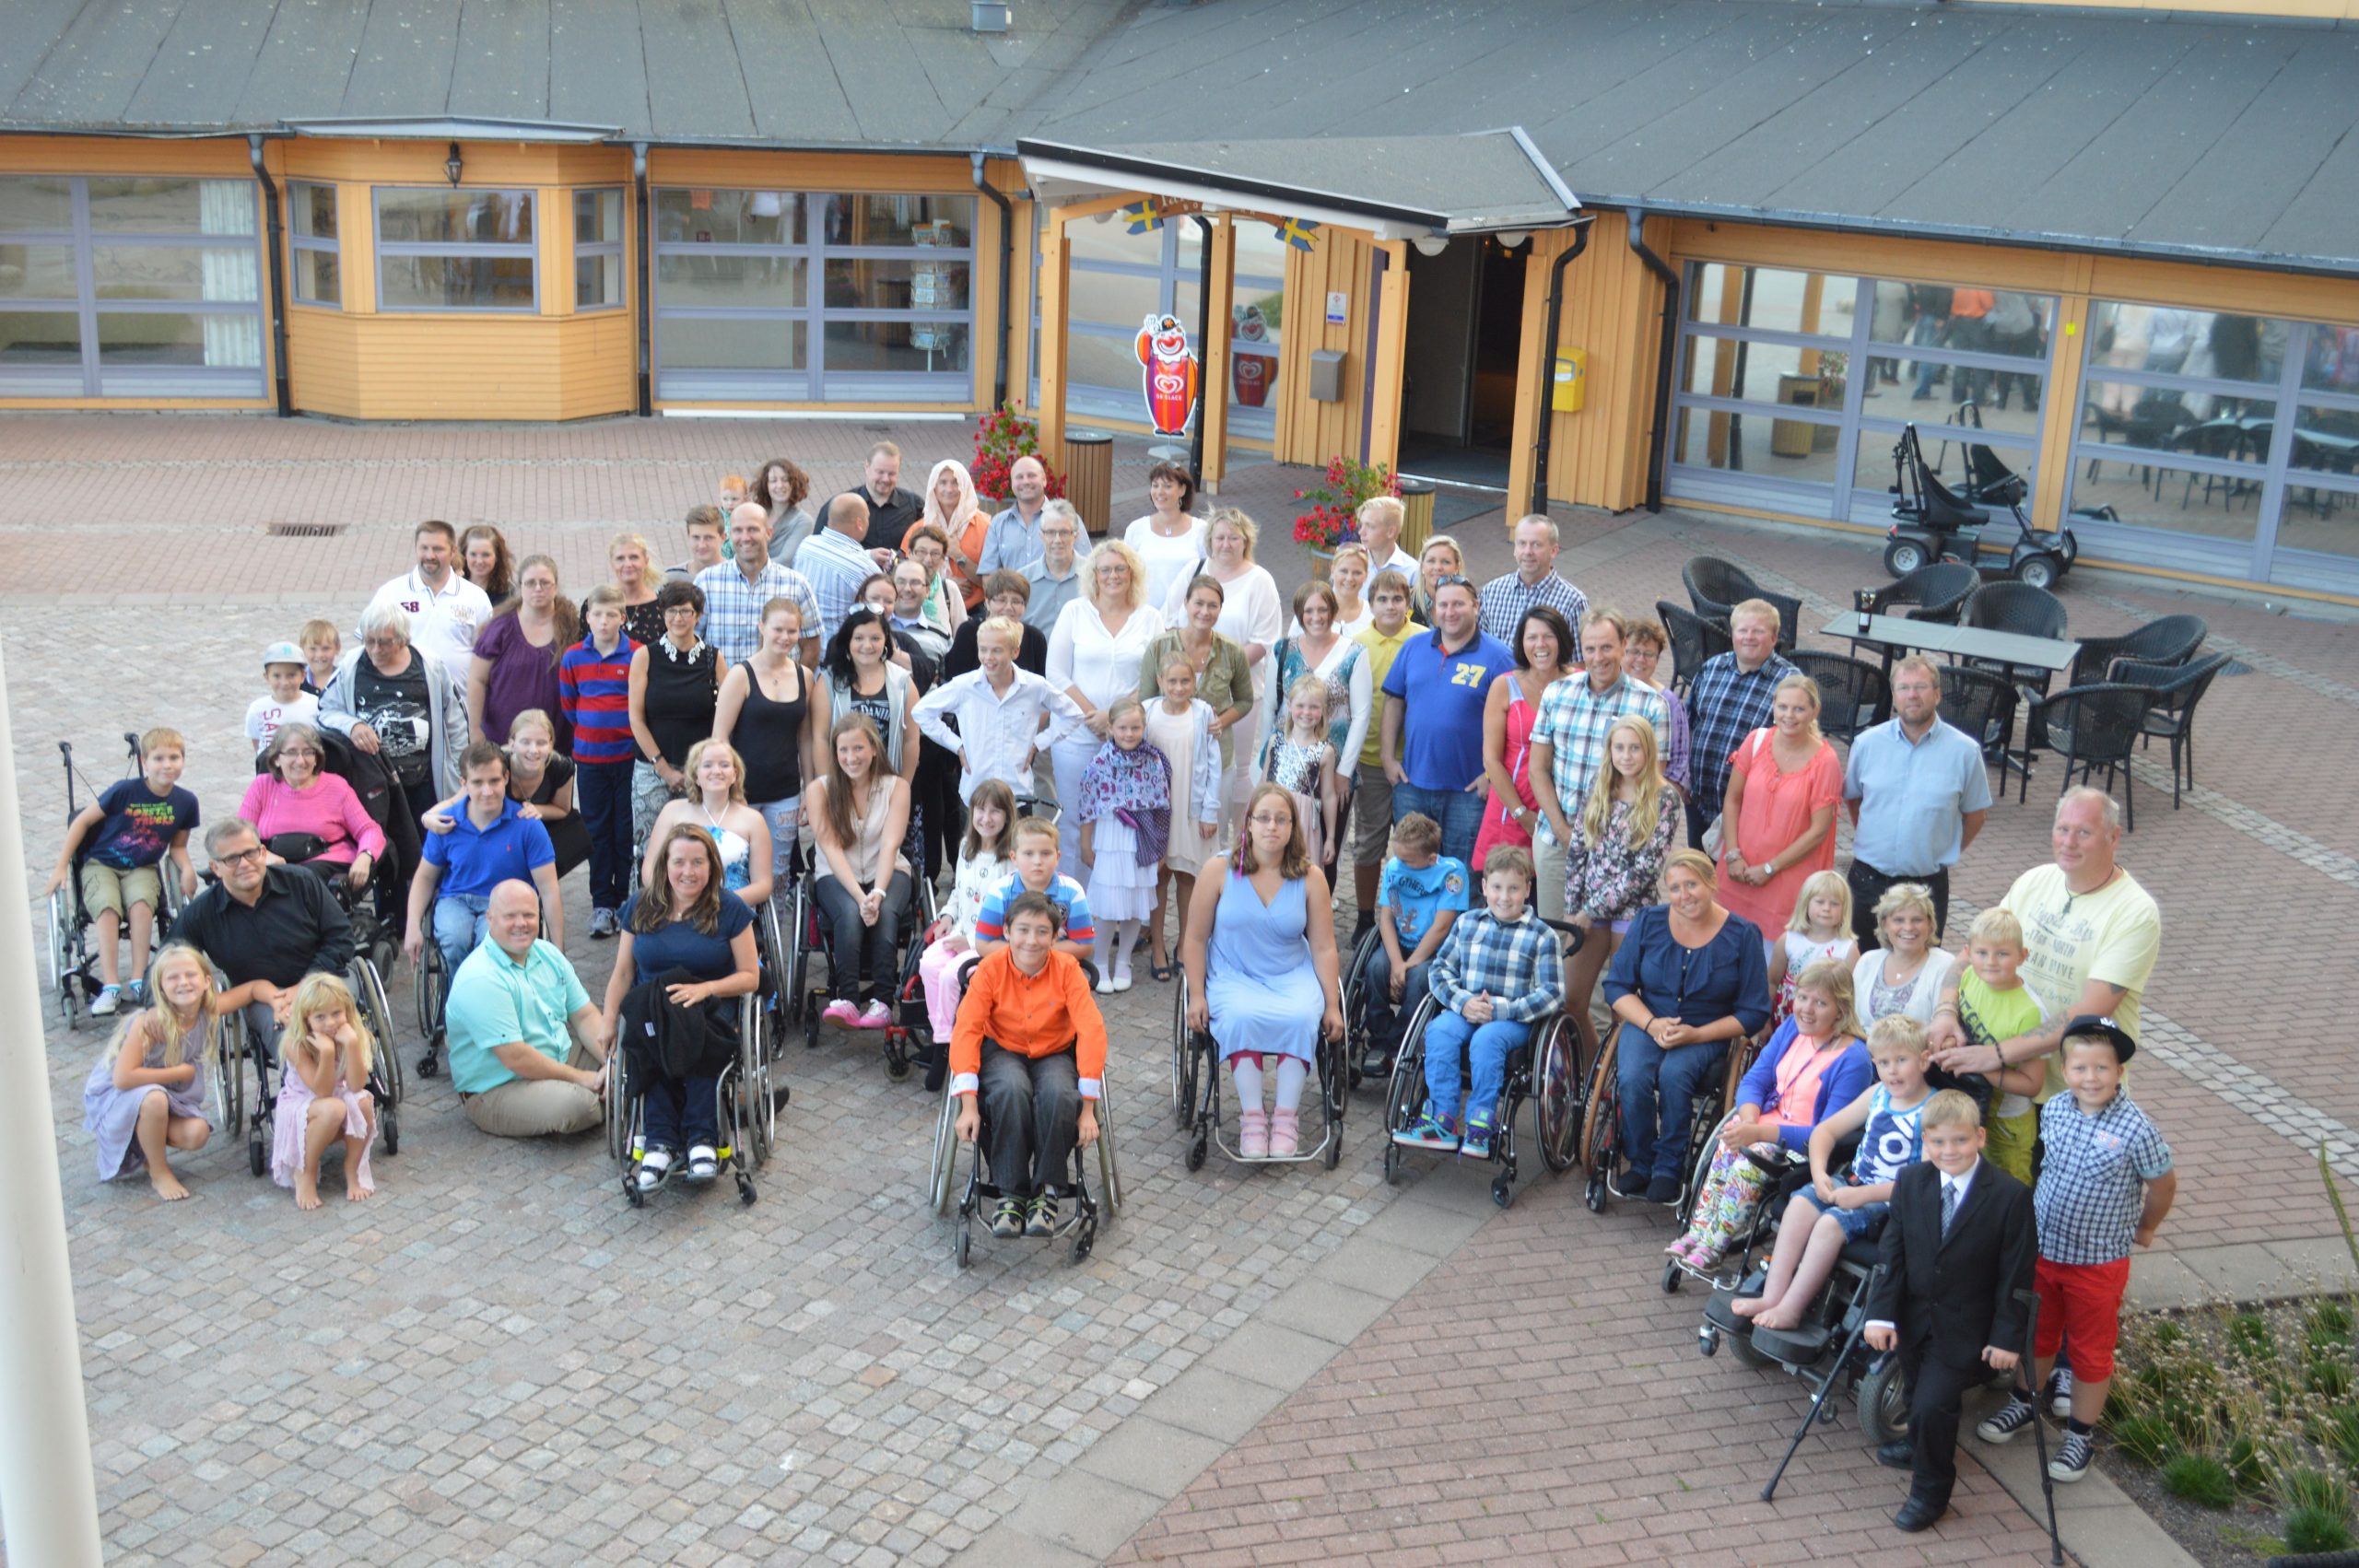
(539, 1107)
(1548, 872)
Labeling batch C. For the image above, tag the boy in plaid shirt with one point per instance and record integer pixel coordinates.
(2106, 1182)
(1500, 968)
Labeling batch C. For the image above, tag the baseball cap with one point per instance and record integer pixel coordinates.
(2124, 1048)
(282, 653)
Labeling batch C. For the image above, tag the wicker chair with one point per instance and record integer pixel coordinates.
(1692, 640)
(2172, 640)
(1853, 692)
(1983, 705)
(1938, 591)
(2175, 690)
(1716, 587)
(2024, 610)
(2090, 727)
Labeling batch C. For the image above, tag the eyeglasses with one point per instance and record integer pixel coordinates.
(239, 858)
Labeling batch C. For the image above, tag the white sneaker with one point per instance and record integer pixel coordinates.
(110, 997)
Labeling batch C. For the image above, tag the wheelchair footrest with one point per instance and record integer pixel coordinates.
(1720, 1312)
(1793, 1347)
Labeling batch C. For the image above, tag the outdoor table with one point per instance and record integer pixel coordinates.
(1894, 635)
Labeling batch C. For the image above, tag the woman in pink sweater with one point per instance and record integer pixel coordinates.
(295, 796)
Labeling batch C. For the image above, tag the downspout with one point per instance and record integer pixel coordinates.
(1548, 420)
(274, 231)
(1203, 324)
(1665, 353)
(646, 306)
(1006, 267)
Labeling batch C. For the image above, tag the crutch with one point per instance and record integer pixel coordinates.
(1818, 1397)
(2038, 1421)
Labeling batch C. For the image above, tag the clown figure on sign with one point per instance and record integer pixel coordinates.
(1170, 367)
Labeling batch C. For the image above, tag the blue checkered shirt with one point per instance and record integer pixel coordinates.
(732, 608)
(834, 567)
(1522, 966)
(2093, 1178)
(1505, 600)
(1724, 706)
(1573, 723)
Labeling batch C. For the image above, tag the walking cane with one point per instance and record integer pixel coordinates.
(1818, 1397)
(2038, 1426)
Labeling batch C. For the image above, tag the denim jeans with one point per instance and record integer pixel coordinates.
(861, 957)
(1659, 1087)
(1031, 1116)
(1485, 1069)
(785, 818)
(1384, 1018)
(682, 1113)
(602, 791)
(1459, 812)
(458, 927)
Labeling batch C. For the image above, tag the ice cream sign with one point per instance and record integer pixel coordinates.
(1169, 374)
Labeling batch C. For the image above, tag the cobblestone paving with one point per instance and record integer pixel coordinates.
(496, 1360)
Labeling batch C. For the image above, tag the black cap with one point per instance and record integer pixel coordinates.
(2124, 1048)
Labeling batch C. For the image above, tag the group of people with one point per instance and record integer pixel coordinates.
(695, 733)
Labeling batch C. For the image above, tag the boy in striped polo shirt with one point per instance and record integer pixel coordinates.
(593, 684)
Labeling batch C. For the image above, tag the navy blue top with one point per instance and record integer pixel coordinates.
(1726, 978)
(139, 825)
(681, 946)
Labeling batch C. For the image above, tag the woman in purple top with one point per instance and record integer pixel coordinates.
(297, 797)
(516, 656)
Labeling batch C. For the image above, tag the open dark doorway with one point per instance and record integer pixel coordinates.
(1459, 368)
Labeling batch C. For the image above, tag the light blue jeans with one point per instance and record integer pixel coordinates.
(459, 926)
(1486, 1066)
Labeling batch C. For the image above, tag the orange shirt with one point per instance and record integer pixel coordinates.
(1033, 1015)
(1972, 302)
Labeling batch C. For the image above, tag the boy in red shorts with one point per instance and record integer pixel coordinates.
(2105, 1183)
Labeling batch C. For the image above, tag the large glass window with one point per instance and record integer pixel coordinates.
(597, 250)
(794, 295)
(456, 249)
(130, 285)
(312, 227)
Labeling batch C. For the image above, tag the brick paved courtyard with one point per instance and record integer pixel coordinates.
(496, 1360)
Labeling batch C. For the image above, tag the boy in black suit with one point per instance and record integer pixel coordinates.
(1959, 1245)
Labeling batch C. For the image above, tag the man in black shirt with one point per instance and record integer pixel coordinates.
(264, 925)
(891, 509)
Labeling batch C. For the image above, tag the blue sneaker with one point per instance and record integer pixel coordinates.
(1429, 1132)
(1477, 1144)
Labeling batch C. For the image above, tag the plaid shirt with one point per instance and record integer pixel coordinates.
(1505, 599)
(2093, 1178)
(1724, 707)
(732, 608)
(1573, 722)
(1522, 966)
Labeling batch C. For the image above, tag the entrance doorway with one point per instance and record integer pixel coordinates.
(1459, 368)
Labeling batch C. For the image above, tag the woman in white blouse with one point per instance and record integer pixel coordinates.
(1253, 616)
(1906, 973)
(1094, 656)
(1168, 541)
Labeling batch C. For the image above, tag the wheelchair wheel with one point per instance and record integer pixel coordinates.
(61, 937)
(428, 992)
(1699, 1164)
(1883, 1401)
(1110, 1174)
(757, 1111)
(369, 989)
(1746, 1354)
(617, 1106)
(1406, 1091)
(1556, 1099)
(942, 1176)
(1601, 1127)
(1354, 989)
(230, 1073)
(1183, 1078)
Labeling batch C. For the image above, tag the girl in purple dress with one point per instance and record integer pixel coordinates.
(1125, 812)
(323, 1097)
(147, 1093)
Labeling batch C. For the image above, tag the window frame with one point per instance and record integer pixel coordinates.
(617, 248)
(299, 242)
(466, 250)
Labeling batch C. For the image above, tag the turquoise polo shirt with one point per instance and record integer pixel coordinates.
(497, 1001)
(1441, 725)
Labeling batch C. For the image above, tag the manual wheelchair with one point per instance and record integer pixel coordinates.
(73, 960)
(801, 933)
(748, 1093)
(1196, 1095)
(248, 1107)
(1600, 1144)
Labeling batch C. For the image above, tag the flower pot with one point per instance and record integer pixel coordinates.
(1322, 558)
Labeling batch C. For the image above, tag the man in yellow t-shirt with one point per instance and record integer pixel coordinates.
(1383, 637)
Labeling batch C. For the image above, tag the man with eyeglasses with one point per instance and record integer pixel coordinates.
(1055, 577)
(264, 926)
(1433, 727)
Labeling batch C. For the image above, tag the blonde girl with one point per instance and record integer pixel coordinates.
(1179, 725)
(1612, 868)
(1302, 761)
(986, 859)
(146, 1094)
(323, 1095)
(1819, 928)
(716, 803)
(1125, 815)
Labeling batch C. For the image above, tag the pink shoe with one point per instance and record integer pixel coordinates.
(841, 1011)
(1286, 1134)
(876, 1015)
(1253, 1135)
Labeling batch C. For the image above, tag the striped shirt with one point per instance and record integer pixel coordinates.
(733, 606)
(1506, 600)
(1520, 966)
(595, 689)
(2093, 1176)
(1575, 718)
(1725, 705)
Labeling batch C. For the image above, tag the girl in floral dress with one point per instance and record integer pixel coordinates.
(1125, 830)
(1629, 822)
(1302, 761)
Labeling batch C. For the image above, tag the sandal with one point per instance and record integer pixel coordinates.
(704, 1163)
(1162, 973)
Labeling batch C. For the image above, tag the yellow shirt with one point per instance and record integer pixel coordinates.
(1381, 651)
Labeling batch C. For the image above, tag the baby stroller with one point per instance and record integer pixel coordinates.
(1933, 522)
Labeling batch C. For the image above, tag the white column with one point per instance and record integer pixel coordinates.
(48, 1500)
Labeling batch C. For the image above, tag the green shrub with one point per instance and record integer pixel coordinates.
(2312, 1489)
(2249, 1333)
(2336, 1429)
(2330, 1376)
(2200, 1479)
(2309, 1529)
(2145, 1438)
(2329, 1323)
(2247, 1464)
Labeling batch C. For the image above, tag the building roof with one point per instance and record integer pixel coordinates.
(2174, 133)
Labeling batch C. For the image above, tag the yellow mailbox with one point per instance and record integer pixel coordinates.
(1571, 384)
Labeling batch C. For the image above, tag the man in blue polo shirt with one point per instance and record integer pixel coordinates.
(1433, 732)
(1918, 791)
(490, 842)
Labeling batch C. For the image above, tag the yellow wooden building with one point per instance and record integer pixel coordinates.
(1610, 255)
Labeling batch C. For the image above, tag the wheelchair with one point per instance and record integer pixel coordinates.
(430, 988)
(1544, 1069)
(942, 1176)
(73, 959)
(1196, 1091)
(1360, 1033)
(748, 1095)
(1600, 1144)
(249, 1107)
(803, 934)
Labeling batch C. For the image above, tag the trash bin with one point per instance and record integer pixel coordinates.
(1089, 477)
(1794, 438)
(1417, 523)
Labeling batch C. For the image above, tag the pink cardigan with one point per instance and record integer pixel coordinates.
(327, 807)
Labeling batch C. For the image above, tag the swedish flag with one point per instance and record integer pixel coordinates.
(1142, 217)
(1297, 232)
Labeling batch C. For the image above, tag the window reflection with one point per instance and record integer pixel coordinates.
(1771, 299)
(2170, 341)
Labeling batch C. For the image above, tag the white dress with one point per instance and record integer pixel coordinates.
(1169, 559)
(1104, 665)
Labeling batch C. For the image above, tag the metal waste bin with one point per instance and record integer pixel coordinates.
(1417, 521)
(1089, 477)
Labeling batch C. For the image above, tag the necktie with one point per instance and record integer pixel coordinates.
(1949, 1205)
